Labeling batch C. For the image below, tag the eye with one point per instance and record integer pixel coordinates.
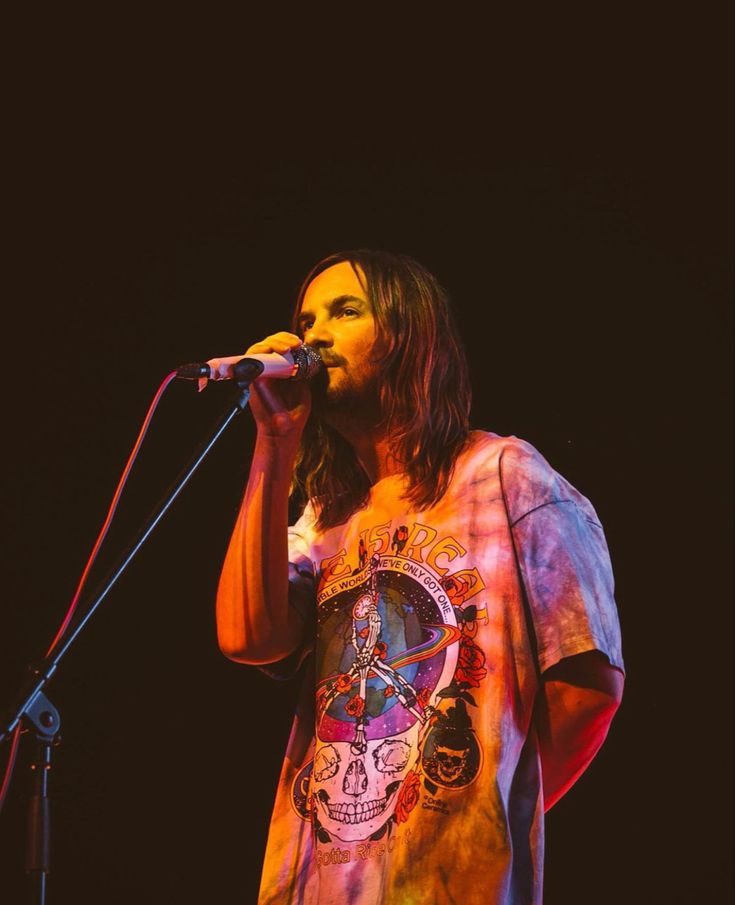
(349, 312)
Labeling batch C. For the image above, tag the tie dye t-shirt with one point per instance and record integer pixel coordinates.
(412, 773)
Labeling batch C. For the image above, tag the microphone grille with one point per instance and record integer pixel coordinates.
(308, 362)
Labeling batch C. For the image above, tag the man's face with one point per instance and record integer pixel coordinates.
(337, 318)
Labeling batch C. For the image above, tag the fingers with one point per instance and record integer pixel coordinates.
(278, 409)
(278, 342)
(275, 396)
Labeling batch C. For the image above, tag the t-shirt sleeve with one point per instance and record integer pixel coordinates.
(301, 595)
(563, 560)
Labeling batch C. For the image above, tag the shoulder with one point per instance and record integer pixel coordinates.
(524, 469)
(527, 479)
(514, 458)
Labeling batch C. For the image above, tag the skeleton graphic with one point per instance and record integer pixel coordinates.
(356, 781)
(368, 658)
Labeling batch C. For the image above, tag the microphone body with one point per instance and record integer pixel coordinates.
(301, 363)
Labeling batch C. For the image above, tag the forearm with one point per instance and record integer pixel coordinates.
(254, 621)
(574, 711)
(571, 738)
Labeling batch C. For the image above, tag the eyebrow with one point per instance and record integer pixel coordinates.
(332, 304)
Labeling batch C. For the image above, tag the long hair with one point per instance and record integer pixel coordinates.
(425, 395)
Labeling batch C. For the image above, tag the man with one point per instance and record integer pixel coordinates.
(446, 593)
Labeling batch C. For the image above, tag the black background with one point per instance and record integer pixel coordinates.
(169, 183)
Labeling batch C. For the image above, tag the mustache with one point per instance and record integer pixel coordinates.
(331, 361)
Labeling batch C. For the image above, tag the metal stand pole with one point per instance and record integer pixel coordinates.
(39, 714)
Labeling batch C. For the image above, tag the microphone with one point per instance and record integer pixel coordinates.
(301, 363)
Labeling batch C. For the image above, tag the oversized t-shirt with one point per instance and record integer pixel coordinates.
(412, 772)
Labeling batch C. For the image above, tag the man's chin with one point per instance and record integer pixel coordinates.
(341, 404)
(333, 400)
(330, 391)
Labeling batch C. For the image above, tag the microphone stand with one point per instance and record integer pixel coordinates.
(36, 711)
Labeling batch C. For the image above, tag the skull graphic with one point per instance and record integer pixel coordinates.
(451, 755)
(450, 762)
(357, 798)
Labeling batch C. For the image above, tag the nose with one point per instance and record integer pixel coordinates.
(318, 334)
(355, 781)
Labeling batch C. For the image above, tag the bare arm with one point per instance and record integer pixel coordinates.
(255, 623)
(574, 709)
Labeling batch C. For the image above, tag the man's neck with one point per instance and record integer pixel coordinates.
(374, 454)
(372, 447)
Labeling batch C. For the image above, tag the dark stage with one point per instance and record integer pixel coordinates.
(583, 230)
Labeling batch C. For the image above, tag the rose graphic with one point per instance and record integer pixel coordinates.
(407, 797)
(381, 650)
(343, 683)
(457, 588)
(471, 663)
(389, 691)
(355, 706)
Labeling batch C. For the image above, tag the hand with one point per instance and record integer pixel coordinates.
(280, 407)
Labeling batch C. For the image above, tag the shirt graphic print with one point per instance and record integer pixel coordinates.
(396, 671)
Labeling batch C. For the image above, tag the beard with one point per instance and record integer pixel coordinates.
(348, 403)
